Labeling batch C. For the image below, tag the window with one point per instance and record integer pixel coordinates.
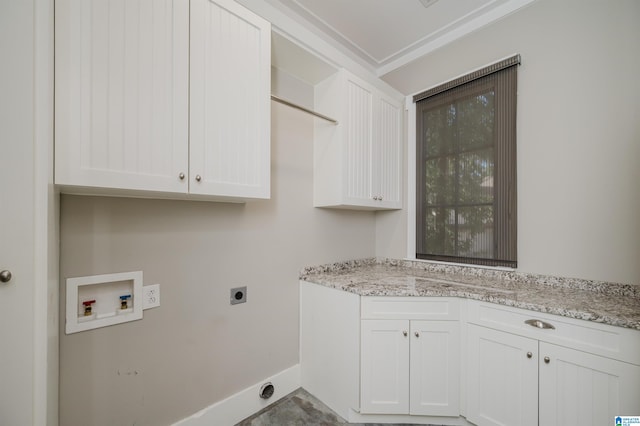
(466, 168)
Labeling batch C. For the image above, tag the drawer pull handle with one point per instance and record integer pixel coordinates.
(539, 324)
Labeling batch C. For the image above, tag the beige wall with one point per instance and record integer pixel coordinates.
(578, 130)
(196, 349)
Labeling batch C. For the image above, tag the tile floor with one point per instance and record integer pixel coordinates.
(299, 408)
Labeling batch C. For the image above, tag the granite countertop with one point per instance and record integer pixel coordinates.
(607, 303)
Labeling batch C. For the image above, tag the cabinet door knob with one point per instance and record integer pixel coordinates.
(404, 333)
(529, 354)
(5, 276)
(417, 334)
(181, 176)
(375, 197)
(198, 178)
(379, 197)
(547, 360)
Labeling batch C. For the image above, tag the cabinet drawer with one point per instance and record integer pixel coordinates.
(415, 308)
(601, 339)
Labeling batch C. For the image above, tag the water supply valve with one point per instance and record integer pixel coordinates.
(88, 307)
(124, 304)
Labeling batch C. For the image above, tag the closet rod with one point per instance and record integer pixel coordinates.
(301, 108)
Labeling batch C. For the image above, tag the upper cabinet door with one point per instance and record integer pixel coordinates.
(357, 164)
(122, 70)
(230, 106)
(358, 143)
(387, 158)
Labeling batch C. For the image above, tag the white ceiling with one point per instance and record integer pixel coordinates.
(387, 34)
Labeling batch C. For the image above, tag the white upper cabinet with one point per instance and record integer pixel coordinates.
(357, 164)
(122, 93)
(152, 100)
(387, 152)
(230, 100)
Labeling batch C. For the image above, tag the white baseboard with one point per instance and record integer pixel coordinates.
(243, 404)
(355, 417)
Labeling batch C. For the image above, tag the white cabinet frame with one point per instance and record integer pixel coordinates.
(359, 361)
(163, 99)
(358, 163)
(410, 366)
(575, 372)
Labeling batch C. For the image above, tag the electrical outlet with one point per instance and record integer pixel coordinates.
(238, 295)
(150, 296)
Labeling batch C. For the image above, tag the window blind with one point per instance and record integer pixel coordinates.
(466, 168)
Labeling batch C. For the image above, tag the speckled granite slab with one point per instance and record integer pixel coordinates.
(608, 303)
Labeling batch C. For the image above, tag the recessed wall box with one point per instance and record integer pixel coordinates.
(102, 300)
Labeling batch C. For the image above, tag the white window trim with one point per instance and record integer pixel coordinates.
(410, 107)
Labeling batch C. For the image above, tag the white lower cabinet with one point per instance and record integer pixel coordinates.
(435, 368)
(441, 358)
(410, 366)
(577, 388)
(384, 380)
(502, 378)
(518, 378)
